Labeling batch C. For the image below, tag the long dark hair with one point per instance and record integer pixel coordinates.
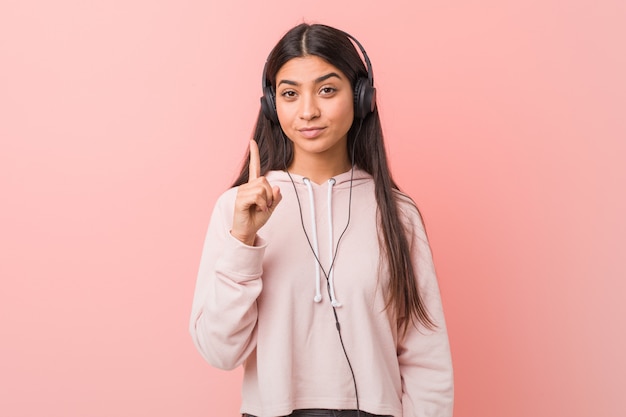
(276, 153)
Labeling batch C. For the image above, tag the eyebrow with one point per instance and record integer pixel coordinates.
(317, 80)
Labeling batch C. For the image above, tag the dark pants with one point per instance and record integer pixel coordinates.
(327, 413)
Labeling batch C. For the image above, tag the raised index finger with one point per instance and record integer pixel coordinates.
(254, 169)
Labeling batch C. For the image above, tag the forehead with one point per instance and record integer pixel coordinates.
(306, 68)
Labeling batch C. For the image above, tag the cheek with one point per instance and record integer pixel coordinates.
(344, 114)
(284, 115)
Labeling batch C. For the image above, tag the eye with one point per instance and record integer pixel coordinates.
(326, 91)
(288, 94)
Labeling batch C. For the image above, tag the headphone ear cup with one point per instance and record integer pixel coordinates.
(364, 98)
(268, 104)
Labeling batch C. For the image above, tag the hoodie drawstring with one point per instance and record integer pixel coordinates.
(318, 278)
(331, 272)
(318, 267)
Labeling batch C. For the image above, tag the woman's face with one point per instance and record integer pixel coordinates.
(314, 102)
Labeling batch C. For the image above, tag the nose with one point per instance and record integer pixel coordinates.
(309, 108)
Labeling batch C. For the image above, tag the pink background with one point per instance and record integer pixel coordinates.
(121, 122)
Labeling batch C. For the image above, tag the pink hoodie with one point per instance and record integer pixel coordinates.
(268, 307)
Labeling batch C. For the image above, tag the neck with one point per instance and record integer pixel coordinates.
(319, 169)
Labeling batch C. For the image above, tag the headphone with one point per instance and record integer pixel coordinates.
(364, 91)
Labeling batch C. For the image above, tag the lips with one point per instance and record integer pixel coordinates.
(311, 132)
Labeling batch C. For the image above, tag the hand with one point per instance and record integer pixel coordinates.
(255, 202)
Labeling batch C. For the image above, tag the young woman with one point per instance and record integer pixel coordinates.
(316, 274)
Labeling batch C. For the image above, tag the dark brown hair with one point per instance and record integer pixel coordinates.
(369, 153)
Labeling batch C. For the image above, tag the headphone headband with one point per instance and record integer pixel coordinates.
(368, 64)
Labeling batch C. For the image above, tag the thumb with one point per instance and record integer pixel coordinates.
(276, 196)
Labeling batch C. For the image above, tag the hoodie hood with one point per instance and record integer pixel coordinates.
(306, 193)
(341, 181)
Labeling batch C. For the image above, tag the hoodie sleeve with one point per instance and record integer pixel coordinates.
(224, 311)
(424, 355)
